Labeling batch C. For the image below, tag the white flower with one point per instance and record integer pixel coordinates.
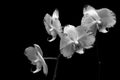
(72, 33)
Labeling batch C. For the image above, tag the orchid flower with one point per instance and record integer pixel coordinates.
(72, 34)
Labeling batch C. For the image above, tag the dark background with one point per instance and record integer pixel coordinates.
(25, 20)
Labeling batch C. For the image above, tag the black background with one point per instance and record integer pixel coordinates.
(25, 20)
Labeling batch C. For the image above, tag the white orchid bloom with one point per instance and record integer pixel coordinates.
(72, 34)
(92, 12)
